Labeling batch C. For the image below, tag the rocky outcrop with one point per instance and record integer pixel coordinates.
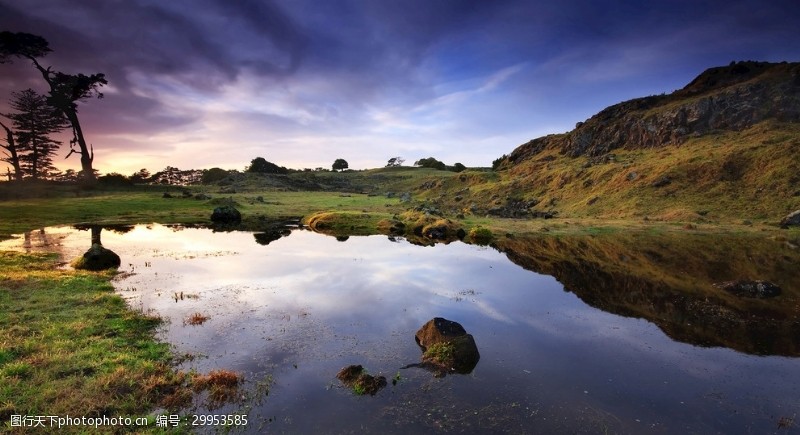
(725, 98)
(514, 208)
(750, 289)
(791, 219)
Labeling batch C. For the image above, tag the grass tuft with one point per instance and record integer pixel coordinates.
(196, 319)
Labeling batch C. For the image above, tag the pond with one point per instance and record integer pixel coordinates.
(606, 334)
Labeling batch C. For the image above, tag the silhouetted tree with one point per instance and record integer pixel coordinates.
(34, 122)
(395, 162)
(340, 165)
(10, 152)
(114, 179)
(458, 167)
(262, 166)
(174, 176)
(430, 162)
(65, 89)
(69, 176)
(140, 176)
(213, 175)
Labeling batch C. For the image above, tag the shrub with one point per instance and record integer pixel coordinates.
(213, 175)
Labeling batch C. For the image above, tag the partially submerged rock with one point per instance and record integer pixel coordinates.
(226, 214)
(97, 258)
(447, 347)
(355, 377)
(750, 289)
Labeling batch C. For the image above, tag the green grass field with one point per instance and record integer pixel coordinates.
(70, 346)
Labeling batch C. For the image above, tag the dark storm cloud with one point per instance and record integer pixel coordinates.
(404, 69)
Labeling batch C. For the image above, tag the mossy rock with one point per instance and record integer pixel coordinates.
(447, 346)
(459, 355)
(355, 377)
(336, 223)
(97, 258)
(391, 226)
(226, 214)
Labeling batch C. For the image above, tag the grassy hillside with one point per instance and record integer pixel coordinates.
(722, 177)
(753, 174)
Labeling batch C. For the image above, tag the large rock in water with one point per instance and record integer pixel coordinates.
(97, 258)
(447, 345)
(791, 219)
(226, 214)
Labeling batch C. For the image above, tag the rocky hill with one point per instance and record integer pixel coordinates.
(724, 148)
(730, 98)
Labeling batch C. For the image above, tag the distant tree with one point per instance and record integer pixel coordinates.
(34, 121)
(430, 162)
(68, 176)
(171, 175)
(395, 162)
(114, 179)
(262, 166)
(340, 165)
(95, 175)
(65, 89)
(213, 175)
(458, 167)
(140, 176)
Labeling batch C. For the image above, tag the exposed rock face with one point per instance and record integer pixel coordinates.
(750, 289)
(226, 214)
(725, 98)
(514, 208)
(447, 347)
(791, 219)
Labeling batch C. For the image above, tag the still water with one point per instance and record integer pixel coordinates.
(575, 336)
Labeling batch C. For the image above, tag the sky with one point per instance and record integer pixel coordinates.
(197, 84)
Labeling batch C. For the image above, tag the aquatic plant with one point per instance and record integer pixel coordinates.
(197, 319)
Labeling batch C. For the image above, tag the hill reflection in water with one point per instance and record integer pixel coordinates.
(667, 280)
